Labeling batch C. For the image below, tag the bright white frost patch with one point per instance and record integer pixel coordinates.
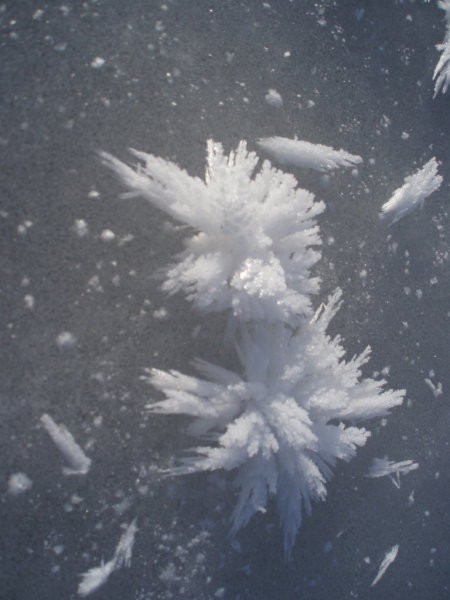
(413, 192)
(97, 576)
(282, 424)
(293, 409)
(79, 463)
(441, 74)
(19, 483)
(389, 558)
(304, 154)
(382, 467)
(256, 230)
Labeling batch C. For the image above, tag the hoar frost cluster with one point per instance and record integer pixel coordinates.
(296, 405)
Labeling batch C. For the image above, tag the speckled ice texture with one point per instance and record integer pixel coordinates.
(83, 314)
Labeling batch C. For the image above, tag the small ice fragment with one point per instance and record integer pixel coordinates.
(389, 558)
(19, 483)
(93, 194)
(97, 576)
(307, 155)
(382, 467)
(38, 13)
(28, 301)
(98, 62)
(436, 389)
(80, 227)
(66, 339)
(274, 99)
(107, 235)
(413, 193)
(79, 463)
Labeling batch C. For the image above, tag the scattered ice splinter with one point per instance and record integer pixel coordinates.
(389, 558)
(307, 155)
(79, 463)
(97, 576)
(436, 389)
(414, 191)
(382, 467)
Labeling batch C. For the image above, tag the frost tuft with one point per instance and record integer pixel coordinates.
(97, 576)
(413, 192)
(306, 155)
(441, 74)
(382, 467)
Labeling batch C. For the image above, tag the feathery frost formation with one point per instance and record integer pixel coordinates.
(441, 74)
(307, 155)
(97, 576)
(388, 559)
(295, 406)
(413, 192)
(382, 467)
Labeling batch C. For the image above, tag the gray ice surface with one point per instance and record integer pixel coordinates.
(82, 314)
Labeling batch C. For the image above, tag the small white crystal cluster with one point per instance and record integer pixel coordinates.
(294, 407)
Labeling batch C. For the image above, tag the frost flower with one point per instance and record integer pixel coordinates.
(255, 232)
(282, 424)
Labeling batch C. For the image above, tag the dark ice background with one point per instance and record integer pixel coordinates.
(358, 76)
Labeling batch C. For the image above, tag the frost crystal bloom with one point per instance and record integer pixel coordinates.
(289, 415)
(256, 230)
(282, 424)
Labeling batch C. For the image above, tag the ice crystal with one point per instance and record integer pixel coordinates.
(413, 193)
(300, 153)
(382, 467)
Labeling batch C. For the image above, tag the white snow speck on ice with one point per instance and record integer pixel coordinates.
(66, 339)
(80, 227)
(98, 62)
(274, 99)
(107, 235)
(19, 483)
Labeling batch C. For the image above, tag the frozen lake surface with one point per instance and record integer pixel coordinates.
(83, 315)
